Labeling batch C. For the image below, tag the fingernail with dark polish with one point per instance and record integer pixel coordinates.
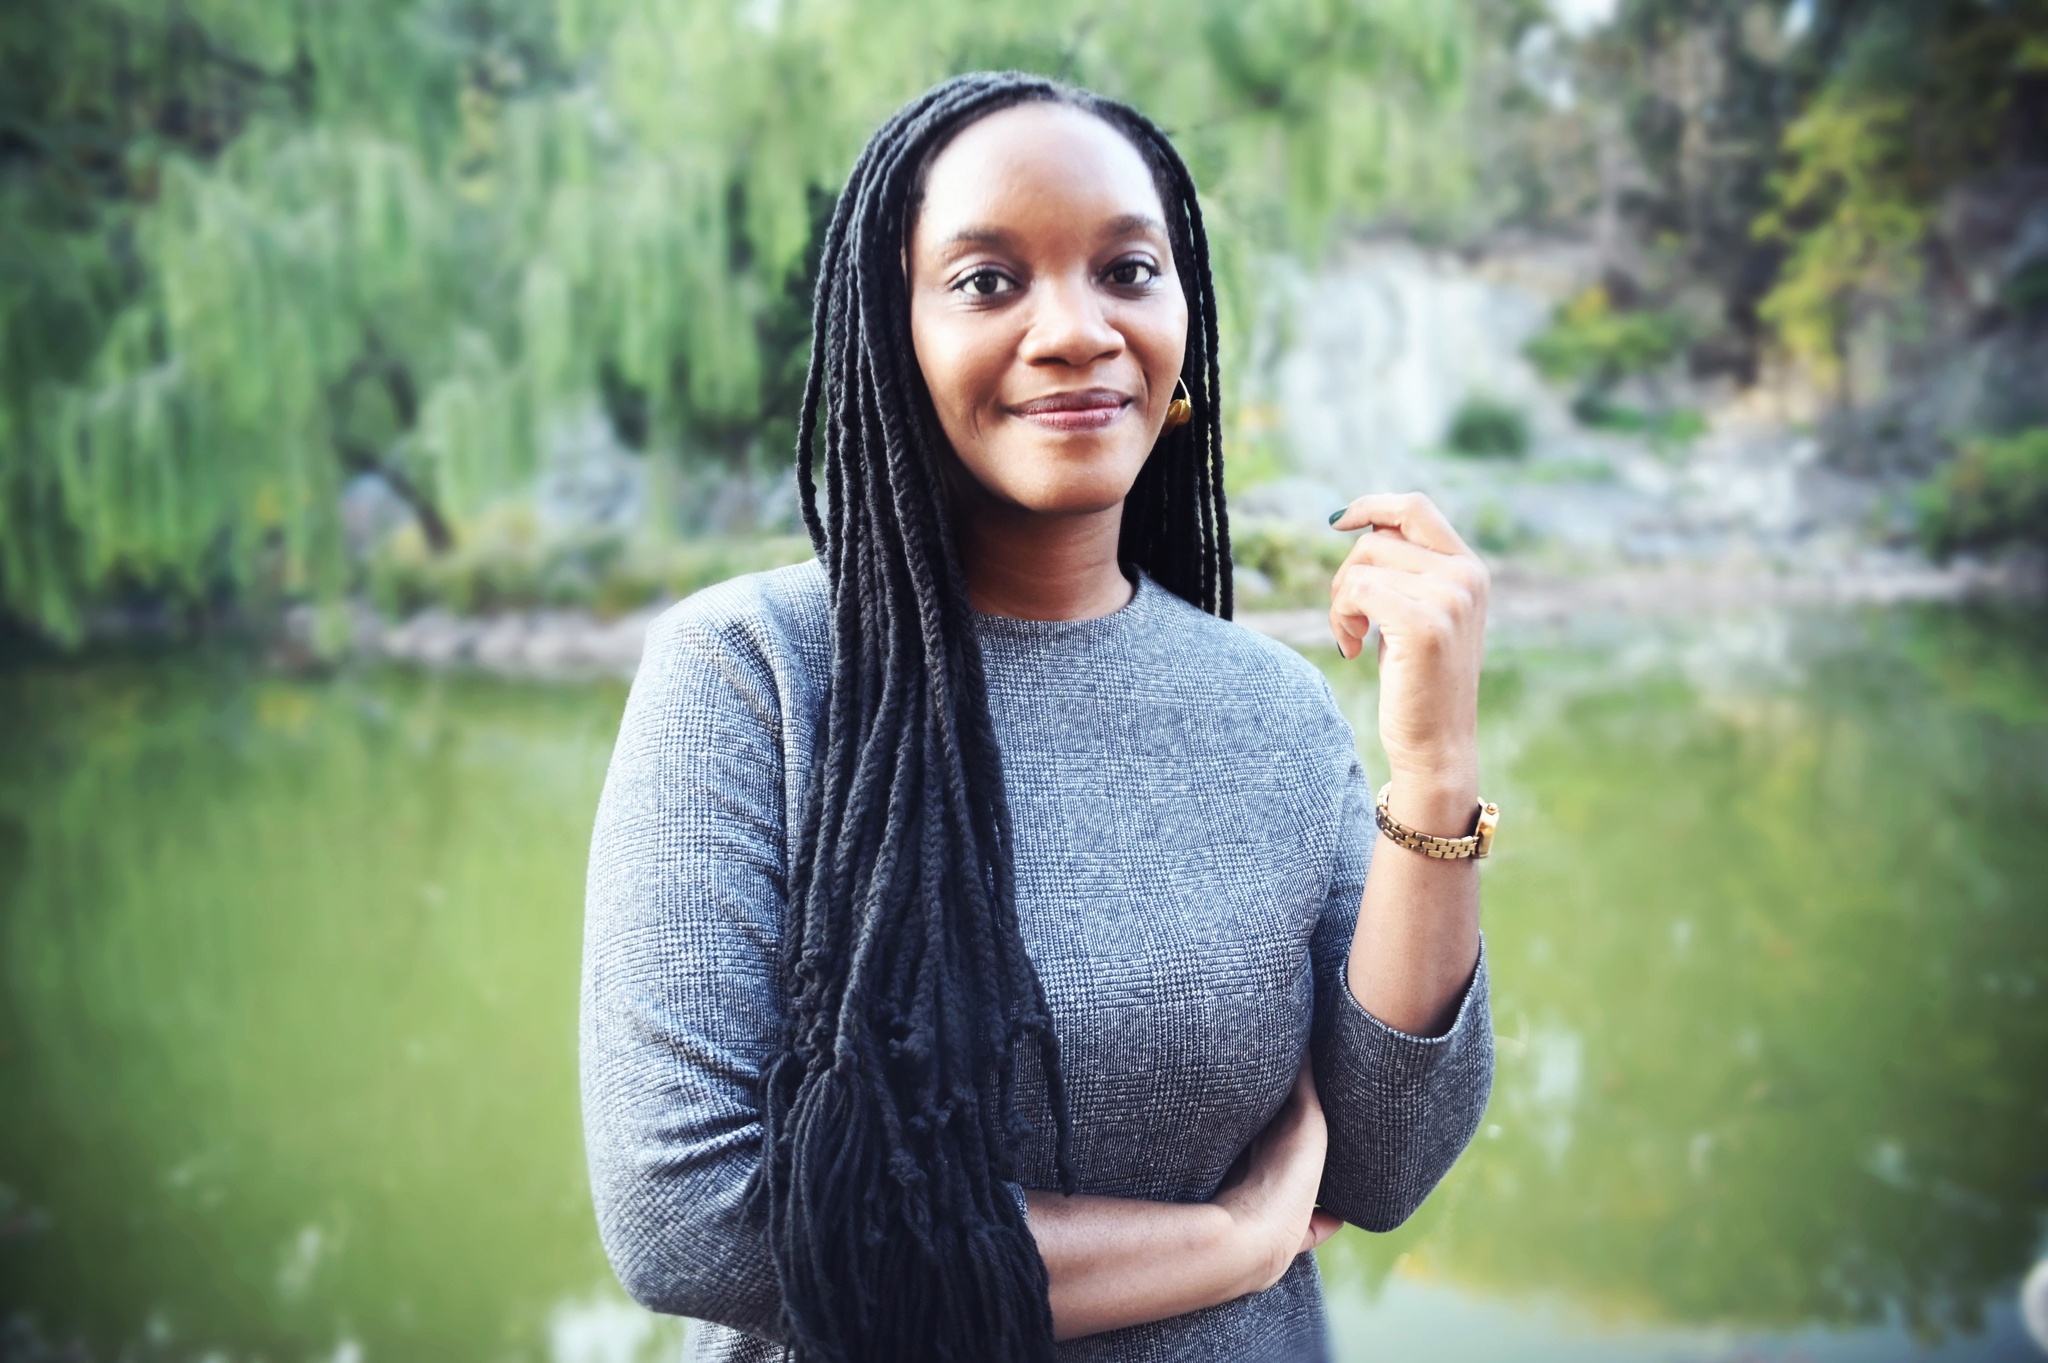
(1338, 514)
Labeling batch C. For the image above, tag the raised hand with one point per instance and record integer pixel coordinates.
(1427, 591)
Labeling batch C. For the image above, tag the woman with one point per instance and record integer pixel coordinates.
(981, 949)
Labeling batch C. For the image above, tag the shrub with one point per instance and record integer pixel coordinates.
(1572, 471)
(1495, 530)
(1995, 493)
(1672, 429)
(1589, 342)
(2026, 289)
(1484, 428)
(1297, 563)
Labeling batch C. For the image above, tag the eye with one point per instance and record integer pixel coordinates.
(986, 283)
(1132, 273)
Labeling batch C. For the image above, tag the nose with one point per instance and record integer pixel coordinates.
(1069, 326)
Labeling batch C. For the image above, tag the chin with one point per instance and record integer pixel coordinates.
(1085, 495)
(1063, 482)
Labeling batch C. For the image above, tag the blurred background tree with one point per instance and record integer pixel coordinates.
(253, 249)
(1841, 191)
(249, 252)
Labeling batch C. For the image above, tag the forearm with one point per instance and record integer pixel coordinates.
(1115, 1262)
(1417, 938)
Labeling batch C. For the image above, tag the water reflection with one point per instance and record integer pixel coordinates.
(287, 1036)
(603, 1329)
(288, 1047)
(1771, 940)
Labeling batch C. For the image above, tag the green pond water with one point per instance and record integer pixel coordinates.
(288, 975)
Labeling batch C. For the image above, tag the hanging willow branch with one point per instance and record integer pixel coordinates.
(358, 456)
(535, 205)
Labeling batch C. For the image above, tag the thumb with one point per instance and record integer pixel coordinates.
(1305, 1084)
(1321, 1226)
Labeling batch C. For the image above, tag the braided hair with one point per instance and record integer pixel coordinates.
(891, 1116)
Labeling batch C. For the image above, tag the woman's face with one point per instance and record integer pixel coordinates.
(1044, 307)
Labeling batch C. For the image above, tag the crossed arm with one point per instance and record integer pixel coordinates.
(1413, 951)
(1116, 1262)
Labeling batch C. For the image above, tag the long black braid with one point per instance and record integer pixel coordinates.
(891, 1119)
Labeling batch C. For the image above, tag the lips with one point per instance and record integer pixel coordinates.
(1090, 409)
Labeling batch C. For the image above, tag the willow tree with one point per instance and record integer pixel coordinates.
(253, 249)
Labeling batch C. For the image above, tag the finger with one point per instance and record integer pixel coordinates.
(1364, 594)
(1349, 629)
(1454, 596)
(1415, 516)
(1396, 593)
(1391, 551)
(1456, 584)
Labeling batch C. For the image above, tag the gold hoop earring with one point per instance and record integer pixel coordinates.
(1181, 410)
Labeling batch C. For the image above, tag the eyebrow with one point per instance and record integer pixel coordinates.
(1128, 224)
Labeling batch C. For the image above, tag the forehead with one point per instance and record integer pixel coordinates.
(1041, 162)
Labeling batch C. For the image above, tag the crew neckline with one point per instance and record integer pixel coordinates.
(1024, 625)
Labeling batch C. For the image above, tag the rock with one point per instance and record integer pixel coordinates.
(436, 638)
(544, 645)
(2034, 1304)
(590, 481)
(370, 511)
(1251, 583)
(500, 644)
(1386, 345)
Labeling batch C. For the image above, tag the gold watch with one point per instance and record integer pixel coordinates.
(1477, 843)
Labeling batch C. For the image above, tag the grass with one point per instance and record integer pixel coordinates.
(1667, 430)
(1994, 494)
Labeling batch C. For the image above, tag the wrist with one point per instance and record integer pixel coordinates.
(1441, 803)
(1254, 1257)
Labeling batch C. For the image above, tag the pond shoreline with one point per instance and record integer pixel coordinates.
(568, 644)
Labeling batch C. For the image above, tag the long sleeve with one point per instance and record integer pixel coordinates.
(681, 1002)
(1400, 1108)
(1178, 791)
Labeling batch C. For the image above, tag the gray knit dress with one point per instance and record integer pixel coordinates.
(1192, 834)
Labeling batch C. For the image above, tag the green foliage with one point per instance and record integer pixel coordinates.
(1496, 530)
(1597, 346)
(1592, 342)
(1995, 493)
(1554, 471)
(1790, 156)
(251, 248)
(1485, 428)
(505, 563)
(2026, 290)
(1913, 99)
(1674, 428)
(1861, 225)
(1297, 562)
